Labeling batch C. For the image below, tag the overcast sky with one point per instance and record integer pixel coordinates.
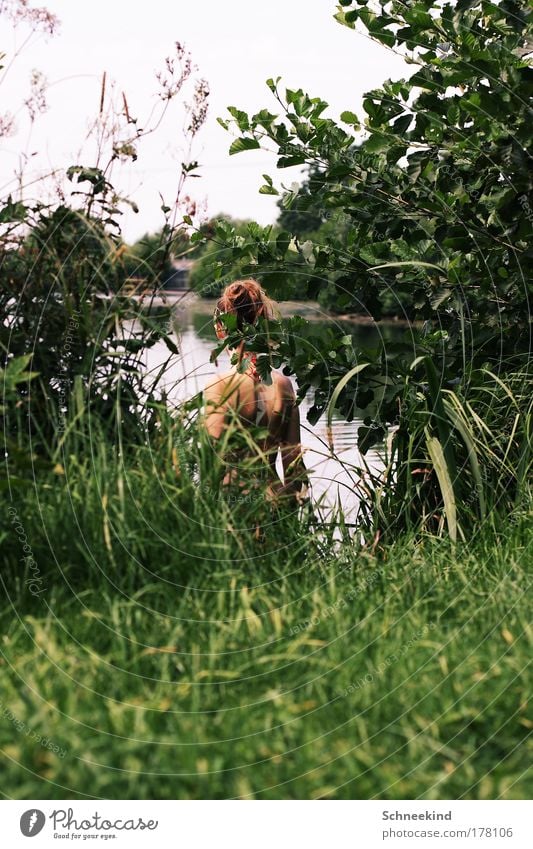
(236, 45)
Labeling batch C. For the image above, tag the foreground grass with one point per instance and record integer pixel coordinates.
(170, 655)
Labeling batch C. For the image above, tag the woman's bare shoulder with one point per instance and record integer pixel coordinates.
(220, 384)
(284, 384)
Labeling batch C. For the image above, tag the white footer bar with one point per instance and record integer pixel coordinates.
(268, 825)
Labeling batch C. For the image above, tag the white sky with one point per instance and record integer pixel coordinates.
(236, 45)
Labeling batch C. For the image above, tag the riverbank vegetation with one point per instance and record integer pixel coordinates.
(427, 199)
(148, 632)
(152, 638)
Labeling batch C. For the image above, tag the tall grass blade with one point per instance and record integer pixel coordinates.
(456, 415)
(436, 454)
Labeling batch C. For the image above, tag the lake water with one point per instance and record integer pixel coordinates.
(332, 476)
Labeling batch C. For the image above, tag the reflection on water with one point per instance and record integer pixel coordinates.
(333, 476)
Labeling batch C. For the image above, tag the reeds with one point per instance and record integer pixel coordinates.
(457, 458)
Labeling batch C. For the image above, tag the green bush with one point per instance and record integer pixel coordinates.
(431, 209)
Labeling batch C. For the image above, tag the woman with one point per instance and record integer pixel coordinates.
(263, 417)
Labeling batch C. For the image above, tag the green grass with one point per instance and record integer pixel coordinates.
(170, 655)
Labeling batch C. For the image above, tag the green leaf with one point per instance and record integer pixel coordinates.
(95, 176)
(351, 118)
(12, 211)
(241, 118)
(423, 79)
(368, 436)
(243, 144)
(378, 142)
(289, 161)
(336, 393)
(401, 124)
(440, 296)
(271, 83)
(268, 188)
(385, 36)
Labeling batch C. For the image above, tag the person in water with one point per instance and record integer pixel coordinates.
(264, 415)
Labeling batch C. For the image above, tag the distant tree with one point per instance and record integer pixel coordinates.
(149, 259)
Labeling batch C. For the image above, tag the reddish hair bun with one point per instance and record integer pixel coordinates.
(247, 300)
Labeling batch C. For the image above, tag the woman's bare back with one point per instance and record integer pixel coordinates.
(270, 407)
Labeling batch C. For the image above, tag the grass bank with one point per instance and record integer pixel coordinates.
(164, 653)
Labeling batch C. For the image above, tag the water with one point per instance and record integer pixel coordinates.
(333, 476)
